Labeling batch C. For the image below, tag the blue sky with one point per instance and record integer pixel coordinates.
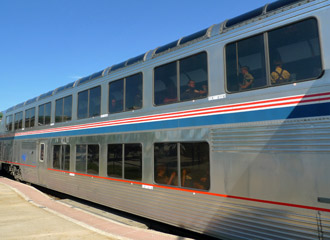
(46, 44)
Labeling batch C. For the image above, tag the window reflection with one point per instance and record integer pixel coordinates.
(127, 159)
(125, 94)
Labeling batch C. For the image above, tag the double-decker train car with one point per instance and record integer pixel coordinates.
(225, 132)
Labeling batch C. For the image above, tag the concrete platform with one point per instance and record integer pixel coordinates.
(27, 213)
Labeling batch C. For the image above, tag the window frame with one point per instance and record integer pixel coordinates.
(177, 61)
(124, 79)
(267, 57)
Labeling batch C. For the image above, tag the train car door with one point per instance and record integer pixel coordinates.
(42, 162)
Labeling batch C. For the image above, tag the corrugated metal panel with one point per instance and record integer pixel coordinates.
(298, 136)
(202, 213)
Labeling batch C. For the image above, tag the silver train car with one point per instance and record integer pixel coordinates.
(225, 132)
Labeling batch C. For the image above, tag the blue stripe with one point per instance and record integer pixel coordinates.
(312, 110)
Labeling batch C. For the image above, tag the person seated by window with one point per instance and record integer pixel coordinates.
(193, 93)
(279, 75)
(247, 78)
(186, 178)
(162, 177)
(202, 184)
(115, 106)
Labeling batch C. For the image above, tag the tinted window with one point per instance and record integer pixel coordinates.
(81, 158)
(63, 109)
(192, 80)
(61, 157)
(9, 123)
(245, 61)
(67, 112)
(115, 160)
(83, 104)
(44, 115)
(87, 159)
(195, 165)
(166, 163)
(127, 158)
(133, 162)
(116, 96)
(29, 118)
(95, 102)
(189, 168)
(89, 103)
(47, 113)
(165, 84)
(41, 115)
(295, 53)
(59, 110)
(133, 93)
(125, 94)
(18, 120)
(93, 159)
(193, 77)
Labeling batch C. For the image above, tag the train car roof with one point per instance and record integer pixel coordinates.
(182, 42)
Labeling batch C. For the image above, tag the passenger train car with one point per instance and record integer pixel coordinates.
(225, 132)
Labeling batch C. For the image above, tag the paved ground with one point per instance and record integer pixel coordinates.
(26, 213)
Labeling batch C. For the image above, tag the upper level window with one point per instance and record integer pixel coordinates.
(125, 94)
(63, 109)
(183, 80)
(18, 120)
(294, 52)
(89, 103)
(189, 167)
(30, 118)
(246, 67)
(44, 114)
(9, 123)
(294, 55)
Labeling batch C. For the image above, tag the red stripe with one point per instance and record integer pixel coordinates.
(21, 164)
(191, 113)
(200, 192)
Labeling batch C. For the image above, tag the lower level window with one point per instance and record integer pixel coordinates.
(87, 159)
(61, 157)
(125, 161)
(183, 164)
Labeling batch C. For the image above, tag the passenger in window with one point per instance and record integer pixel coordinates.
(186, 178)
(247, 78)
(162, 177)
(203, 182)
(279, 75)
(192, 92)
(115, 106)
